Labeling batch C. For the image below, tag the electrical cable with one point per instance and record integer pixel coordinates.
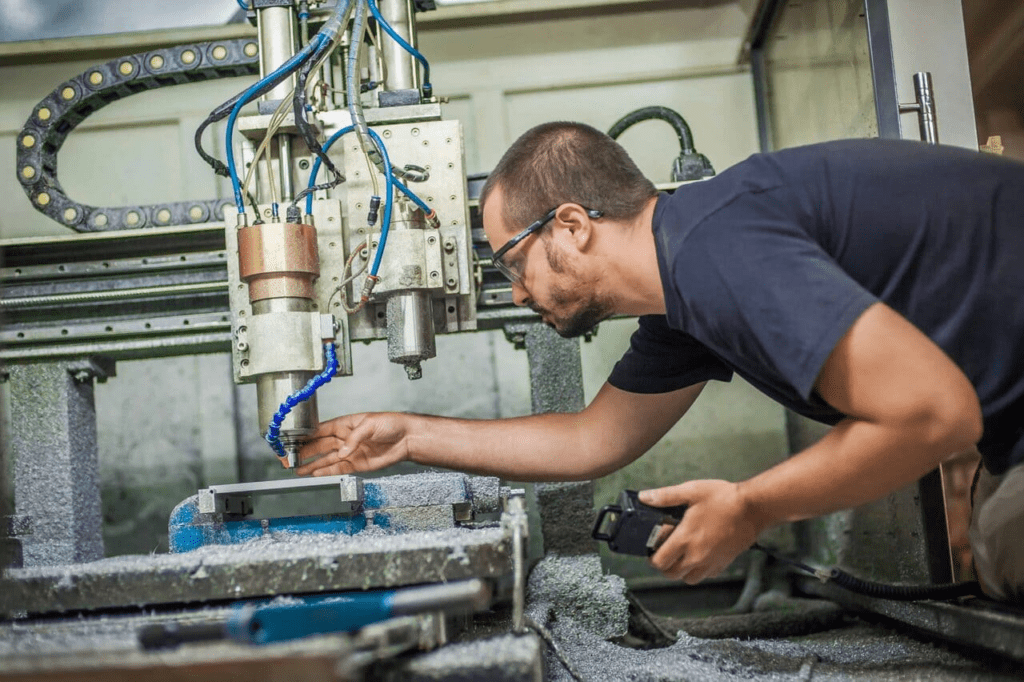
(412, 195)
(326, 34)
(275, 122)
(428, 90)
(300, 99)
(221, 112)
(280, 113)
(244, 5)
(673, 118)
(389, 200)
(943, 591)
(282, 72)
(273, 435)
(307, 193)
(389, 191)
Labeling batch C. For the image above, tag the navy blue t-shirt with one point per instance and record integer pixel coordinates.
(767, 266)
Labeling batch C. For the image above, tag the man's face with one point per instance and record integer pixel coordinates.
(548, 274)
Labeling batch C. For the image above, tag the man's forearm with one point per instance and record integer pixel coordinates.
(543, 447)
(855, 463)
(613, 430)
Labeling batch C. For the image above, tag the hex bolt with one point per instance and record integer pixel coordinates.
(451, 282)
(449, 246)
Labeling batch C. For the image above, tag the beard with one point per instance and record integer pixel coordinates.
(585, 308)
(582, 321)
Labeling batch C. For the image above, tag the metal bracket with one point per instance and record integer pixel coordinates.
(88, 369)
(351, 489)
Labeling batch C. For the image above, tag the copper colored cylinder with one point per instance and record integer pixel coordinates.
(278, 260)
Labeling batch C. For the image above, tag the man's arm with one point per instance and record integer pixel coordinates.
(909, 407)
(613, 430)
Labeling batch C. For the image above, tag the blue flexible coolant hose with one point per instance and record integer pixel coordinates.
(273, 436)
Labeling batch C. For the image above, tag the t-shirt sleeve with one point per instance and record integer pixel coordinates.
(661, 359)
(765, 296)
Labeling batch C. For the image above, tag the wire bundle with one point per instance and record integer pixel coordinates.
(316, 50)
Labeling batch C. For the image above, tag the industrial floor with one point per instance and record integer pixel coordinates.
(783, 638)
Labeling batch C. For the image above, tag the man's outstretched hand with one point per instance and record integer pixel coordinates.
(716, 528)
(356, 442)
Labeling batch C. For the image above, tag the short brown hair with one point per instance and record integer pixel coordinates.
(561, 162)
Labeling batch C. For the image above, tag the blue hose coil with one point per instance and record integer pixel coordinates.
(273, 436)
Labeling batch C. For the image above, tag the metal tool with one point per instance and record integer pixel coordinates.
(266, 622)
(632, 527)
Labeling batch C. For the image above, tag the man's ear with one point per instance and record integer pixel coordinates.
(578, 226)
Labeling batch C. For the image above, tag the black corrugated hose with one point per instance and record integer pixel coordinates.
(673, 118)
(869, 588)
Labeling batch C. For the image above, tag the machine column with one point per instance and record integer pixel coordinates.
(556, 385)
(56, 462)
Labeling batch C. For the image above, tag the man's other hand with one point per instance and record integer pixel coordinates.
(355, 442)
(716, 528)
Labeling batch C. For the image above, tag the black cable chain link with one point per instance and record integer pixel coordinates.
(74, 100)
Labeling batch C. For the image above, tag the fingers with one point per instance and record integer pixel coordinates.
(321, 446)
(684, 493)
(340, 446)
(689, 567)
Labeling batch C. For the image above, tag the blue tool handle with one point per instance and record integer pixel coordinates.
(265, 622)
(318, 615)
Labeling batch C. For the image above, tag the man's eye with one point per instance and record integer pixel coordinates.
(516, 266)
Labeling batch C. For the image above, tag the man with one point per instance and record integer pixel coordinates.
(874, 285)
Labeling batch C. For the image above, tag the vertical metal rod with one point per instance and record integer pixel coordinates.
(277, 45)
(926, 101)
(284, 152)
(925, 107)
(417, 76)
(398, 62)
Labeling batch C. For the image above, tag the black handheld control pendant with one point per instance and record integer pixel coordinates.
(632, 527)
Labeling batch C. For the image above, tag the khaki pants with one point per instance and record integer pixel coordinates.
(997, 534)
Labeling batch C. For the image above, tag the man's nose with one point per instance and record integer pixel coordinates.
(519, 295)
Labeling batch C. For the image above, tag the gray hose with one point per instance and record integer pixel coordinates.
(355, 105)
(352, 91)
